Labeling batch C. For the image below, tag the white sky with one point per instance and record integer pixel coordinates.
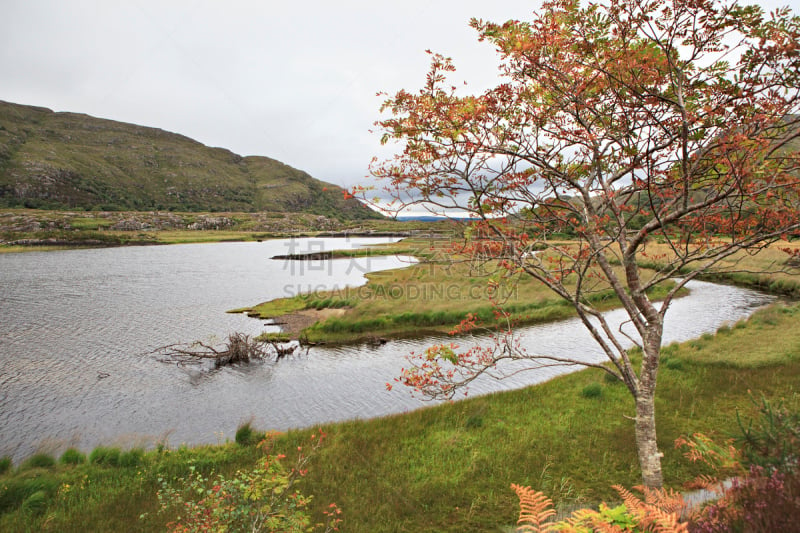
(296, 81)
(293, 80)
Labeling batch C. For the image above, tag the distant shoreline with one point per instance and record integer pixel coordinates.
(42, 230)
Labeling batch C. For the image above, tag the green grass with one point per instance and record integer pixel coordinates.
(246, 435)
(449, 467)
(274, 308)
(72, 456)
(105, 456)
(429, 297)
(86, 223)
(39, 460)
(435, 295)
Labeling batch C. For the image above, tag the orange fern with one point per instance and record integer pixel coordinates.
(704, 482)
(535, 509)
(659, 512)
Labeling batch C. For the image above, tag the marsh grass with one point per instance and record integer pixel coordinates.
(246, 435)
(131, 458)
(783, 346)
(107, 456)
(592, 390)
(39, 460)
(768, 270)
(431, 297)
(72, 456)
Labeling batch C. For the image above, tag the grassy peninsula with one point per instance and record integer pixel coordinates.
(434, 295)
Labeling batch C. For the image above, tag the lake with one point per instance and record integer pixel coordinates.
(77, 329)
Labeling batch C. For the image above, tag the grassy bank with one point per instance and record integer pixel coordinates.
(430, 297)
(448, 467)
(771, 269)
(435, 295)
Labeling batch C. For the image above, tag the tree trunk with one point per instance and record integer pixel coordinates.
(649, 456)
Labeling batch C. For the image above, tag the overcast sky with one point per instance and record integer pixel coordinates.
(292, 80)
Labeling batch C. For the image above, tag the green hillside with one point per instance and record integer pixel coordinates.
(72, 161)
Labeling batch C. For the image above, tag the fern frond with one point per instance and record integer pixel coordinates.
(659, 512)
(535, 509)
(659, 521)
(580, 521)
(667, 500)
(704, 482)
(634, 505)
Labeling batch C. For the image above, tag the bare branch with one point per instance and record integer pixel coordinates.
(239, 348)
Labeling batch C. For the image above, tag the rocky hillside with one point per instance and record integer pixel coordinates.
(72, 161)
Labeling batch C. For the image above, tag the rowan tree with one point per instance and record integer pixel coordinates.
(623, 124)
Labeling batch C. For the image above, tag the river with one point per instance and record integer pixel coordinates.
(77, 328)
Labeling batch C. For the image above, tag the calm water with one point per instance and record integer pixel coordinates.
(76, 329)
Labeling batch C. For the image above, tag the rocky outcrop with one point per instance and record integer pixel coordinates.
(210, 223)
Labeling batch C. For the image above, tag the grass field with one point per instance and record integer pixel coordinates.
(770, 269)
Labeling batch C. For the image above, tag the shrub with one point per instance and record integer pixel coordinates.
(5, 464)
(759, 502)
(724, 329)
(673, 363)
(773, 440)
(40, 460)
(659, 511)
(71, 456)
(131, 458)
(105, 456)
(246, 435)
(592, 390)
(765, 492)
(265, 498)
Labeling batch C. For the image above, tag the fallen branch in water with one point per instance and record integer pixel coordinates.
(239, 348)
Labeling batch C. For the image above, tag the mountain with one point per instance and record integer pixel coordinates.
(73, 161)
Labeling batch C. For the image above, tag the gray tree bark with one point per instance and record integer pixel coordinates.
(647, 445)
